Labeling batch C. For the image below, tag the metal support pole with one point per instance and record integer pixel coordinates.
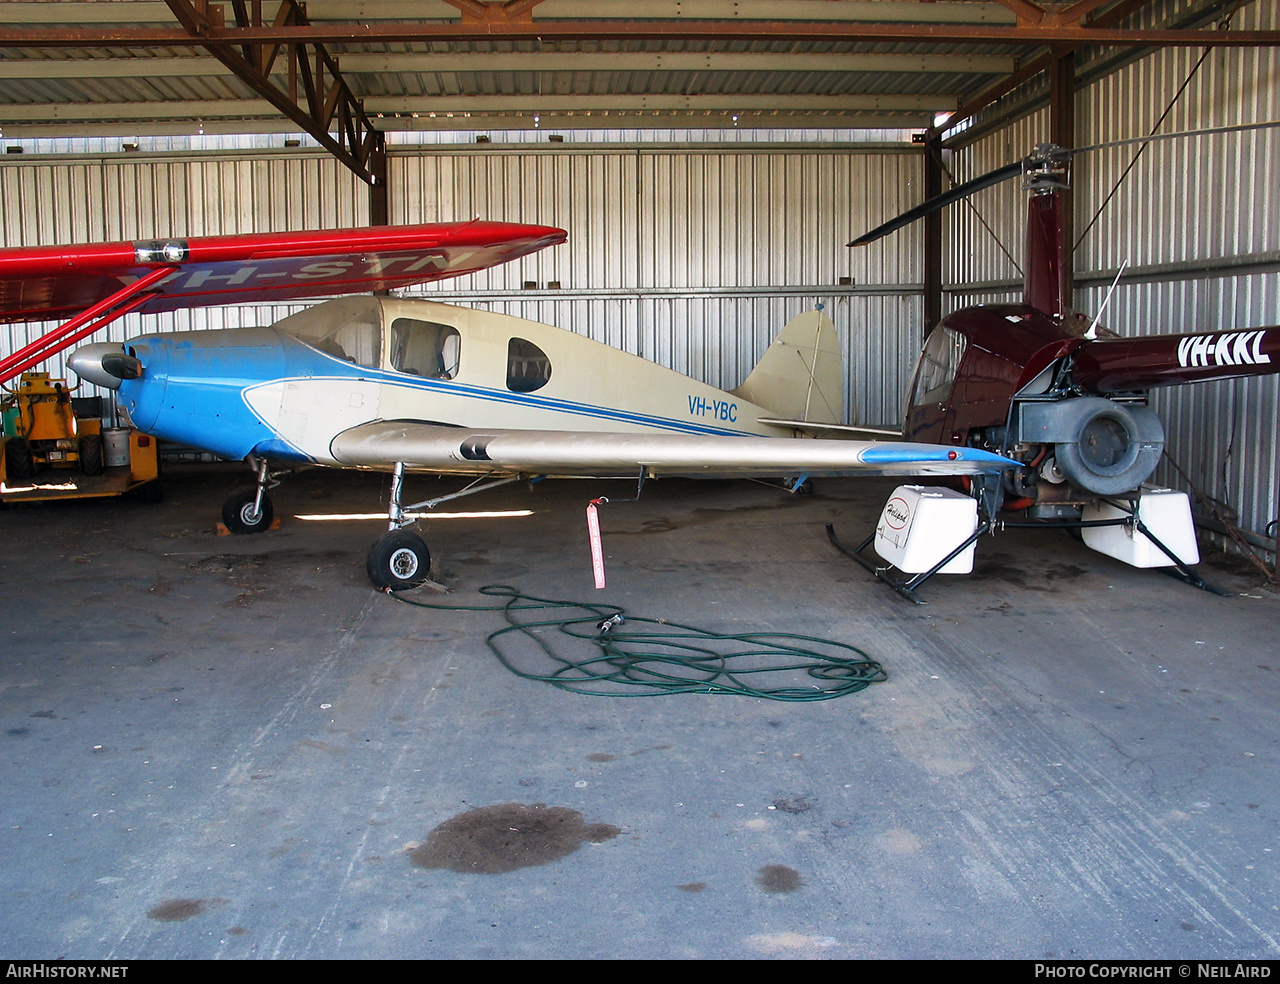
(932, 235)
(1062, 126)
(378, 194)
(262, 480)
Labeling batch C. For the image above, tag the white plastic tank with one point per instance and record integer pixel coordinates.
(1166, 513)
(920, 525)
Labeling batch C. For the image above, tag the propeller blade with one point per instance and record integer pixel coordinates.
(122, 366)
(940, 201)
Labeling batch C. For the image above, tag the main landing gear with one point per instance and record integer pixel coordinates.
(397, 561)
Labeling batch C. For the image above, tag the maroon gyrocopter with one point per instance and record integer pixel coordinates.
(1047, 386)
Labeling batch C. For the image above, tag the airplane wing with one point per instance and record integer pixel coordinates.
(44, 283)
(433, 447)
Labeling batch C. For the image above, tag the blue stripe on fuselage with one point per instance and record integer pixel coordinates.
(338, 368)
(193, 387)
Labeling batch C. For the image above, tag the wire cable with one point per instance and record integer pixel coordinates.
(1222, 25)
(665, 657)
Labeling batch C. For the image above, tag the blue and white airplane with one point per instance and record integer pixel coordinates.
(402, 385)
(398, 385)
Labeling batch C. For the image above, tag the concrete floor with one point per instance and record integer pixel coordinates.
(232, 747)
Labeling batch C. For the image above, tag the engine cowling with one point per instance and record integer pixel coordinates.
(1099, 445)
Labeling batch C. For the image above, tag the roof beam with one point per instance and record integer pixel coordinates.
(190, 66)
(425, 106)
(511, 10)
(484, 122)
(533, 61)
(214, 36)
(325, 102)
(381, 11)
(188, 110)
(674, 61)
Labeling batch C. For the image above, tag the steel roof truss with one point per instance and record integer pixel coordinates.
(324, 103)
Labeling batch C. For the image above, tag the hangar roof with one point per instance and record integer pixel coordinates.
(349, 70)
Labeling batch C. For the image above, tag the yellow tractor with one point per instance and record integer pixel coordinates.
(42, 430)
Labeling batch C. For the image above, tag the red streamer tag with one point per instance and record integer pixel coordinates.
(597, 548)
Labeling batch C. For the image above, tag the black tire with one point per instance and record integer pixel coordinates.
(237, 512)
(398, 560)
(92, 461)
(17, 458)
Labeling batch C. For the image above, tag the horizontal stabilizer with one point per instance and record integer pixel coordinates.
(844, 430)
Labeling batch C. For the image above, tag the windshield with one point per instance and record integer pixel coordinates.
(936, 370)
(348, 328)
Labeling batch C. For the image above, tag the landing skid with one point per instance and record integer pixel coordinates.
(1179, 571)
(906, 585)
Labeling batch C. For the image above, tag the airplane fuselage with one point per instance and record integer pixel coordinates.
(286, 392)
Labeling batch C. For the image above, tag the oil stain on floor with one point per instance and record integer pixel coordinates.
(491, 840)
(180, 910)
(779, 878)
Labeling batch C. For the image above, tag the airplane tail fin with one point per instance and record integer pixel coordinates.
(800, 377)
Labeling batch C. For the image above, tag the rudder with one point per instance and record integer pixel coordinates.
(801, 375)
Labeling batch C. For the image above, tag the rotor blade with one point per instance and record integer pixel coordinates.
(940, 201)
(1204, 132)
(1011, 170)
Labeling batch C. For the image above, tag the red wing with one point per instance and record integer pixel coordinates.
(45, 283)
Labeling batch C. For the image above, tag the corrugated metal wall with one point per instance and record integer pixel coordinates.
(692, 256)
(122, 197)
(1197, 220)
(671, 217)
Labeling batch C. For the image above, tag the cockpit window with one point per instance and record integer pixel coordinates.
(424, 348)
(348, 328)
(528, 367)
(939, 362)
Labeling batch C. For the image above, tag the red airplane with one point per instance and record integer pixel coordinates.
(95, 284)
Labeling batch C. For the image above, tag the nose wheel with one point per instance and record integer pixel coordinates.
(250, 510)
(398, 560)
(244, 512)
